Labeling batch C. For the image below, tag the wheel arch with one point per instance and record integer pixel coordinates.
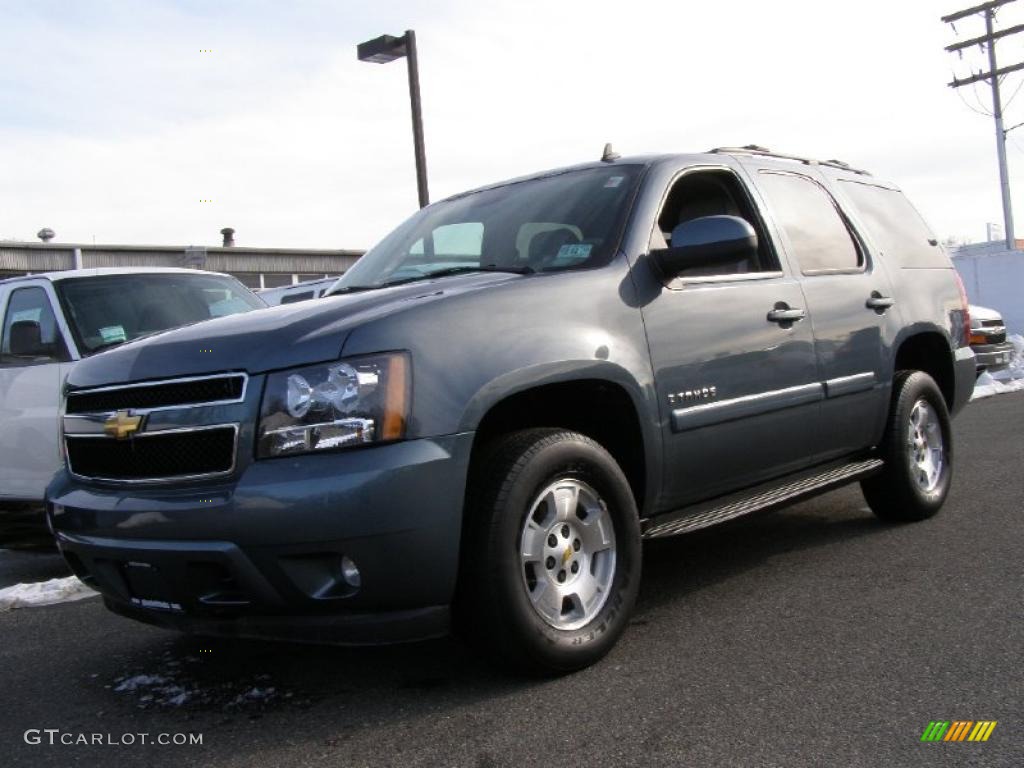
(928, 350)
(601, 401)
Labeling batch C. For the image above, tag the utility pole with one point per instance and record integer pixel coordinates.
(987, 41)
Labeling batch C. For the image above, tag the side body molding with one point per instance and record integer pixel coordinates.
(707, 414)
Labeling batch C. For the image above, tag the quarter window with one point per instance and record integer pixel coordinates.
(819, 238)
(895, 226)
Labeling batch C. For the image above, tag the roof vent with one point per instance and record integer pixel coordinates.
(229, 236)
(46, 234)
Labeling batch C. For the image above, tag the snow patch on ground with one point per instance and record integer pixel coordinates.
(1009, 379)
(193, 683)
(154, 689)
(43, 593)
(255, 695)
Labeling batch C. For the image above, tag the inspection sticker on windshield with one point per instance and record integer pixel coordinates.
(113, 333)
(573, 252)
(613, 181)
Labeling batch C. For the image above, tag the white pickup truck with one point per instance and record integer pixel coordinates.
(52, 320)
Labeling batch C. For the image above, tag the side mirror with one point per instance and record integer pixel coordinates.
(707, 241)
(27, 340)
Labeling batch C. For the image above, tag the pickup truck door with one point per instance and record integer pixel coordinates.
(850, 298)
(34, 360)
(733, 357)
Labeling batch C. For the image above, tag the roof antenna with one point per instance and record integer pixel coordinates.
(609, 154)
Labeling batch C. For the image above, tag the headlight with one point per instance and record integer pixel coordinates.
(334, 405)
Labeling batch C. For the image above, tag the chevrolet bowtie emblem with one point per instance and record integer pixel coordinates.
(122, 425)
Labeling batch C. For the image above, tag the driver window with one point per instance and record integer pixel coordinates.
(712, 193)
(30, 329)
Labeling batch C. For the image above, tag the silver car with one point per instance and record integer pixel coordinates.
(988, 339)
(52, 320)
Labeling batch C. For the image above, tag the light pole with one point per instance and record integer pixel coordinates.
(387, 48)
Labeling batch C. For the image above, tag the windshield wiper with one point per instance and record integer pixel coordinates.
(351, 289)
(106, 345)
(458, 271)
(428, 275)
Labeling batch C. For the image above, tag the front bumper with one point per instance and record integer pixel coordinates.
(261, 555)
(993, 357)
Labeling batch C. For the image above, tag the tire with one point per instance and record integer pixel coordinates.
(917, 448)
(531, 606)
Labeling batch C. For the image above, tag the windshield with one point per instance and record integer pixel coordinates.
(566, 220)
(111, 309)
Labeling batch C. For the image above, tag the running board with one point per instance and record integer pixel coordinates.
(697, 517)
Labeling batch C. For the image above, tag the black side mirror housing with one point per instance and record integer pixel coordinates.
(26, 340)
(707, 241)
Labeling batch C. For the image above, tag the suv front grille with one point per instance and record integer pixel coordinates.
(166, 394)
(994, 331)
(196, 452)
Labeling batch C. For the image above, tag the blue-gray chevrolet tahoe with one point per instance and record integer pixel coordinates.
(488, 414)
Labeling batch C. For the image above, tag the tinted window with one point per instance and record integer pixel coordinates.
(112, 309)
(712, 193)
(30, 328)
(291, 298)
(818, 237)
(895, 226)
(568, 219)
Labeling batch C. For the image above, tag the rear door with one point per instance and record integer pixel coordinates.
(33, 362)
(851, 303)
(736, 381)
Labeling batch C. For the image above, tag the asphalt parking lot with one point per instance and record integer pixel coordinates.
(815, 636)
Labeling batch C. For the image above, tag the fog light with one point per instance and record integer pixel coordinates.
(350, 572)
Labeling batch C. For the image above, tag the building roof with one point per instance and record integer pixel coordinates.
(19, 256)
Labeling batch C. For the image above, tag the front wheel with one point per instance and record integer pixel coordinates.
(552, 558)
(918, 452)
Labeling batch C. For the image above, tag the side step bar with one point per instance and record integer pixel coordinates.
(701, 516)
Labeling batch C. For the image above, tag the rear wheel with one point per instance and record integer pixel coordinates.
(917, 450)
(552, 557)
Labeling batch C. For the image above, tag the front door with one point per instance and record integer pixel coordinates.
(32, 364)
(733, 357)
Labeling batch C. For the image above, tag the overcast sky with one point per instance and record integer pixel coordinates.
(115, 123)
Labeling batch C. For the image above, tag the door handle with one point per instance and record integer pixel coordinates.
(783, 313)
(879, 302)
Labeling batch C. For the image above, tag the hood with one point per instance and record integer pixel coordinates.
(284, 336)
(984, 314)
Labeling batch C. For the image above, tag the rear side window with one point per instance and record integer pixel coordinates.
(895, 226)
(818, 236)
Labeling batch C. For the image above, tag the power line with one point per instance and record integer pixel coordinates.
(973, 109)
(1016, 90)
(1016, 145)
(974, 92)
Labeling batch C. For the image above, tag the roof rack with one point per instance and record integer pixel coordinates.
(754, 149)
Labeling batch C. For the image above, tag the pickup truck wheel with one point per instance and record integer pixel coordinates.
(918, 452)
(552, 558)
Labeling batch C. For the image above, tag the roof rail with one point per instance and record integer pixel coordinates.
(754, 149)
